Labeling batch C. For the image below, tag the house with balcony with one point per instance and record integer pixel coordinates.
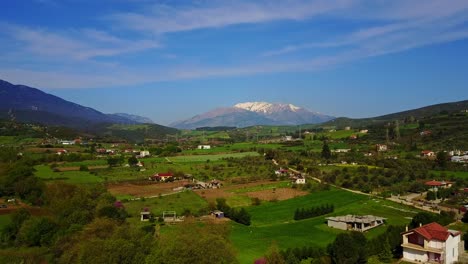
(431, 243)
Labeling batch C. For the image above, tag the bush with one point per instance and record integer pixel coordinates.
(84, 168)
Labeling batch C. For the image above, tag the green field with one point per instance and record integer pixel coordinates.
(273, 221)
(204, 158)
(179, 202)
(76, 177)
(447, 175)
(4, 221)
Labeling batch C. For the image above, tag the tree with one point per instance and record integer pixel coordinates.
(386, 254)
(326, 152)
(344, 250)
(465, 218)
(441, 159)
(431, 195)
(194, 244)
(37, 231)
(132, 161)
(273, 256)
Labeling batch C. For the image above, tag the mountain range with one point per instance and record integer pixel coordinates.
(29, 104)
(253, 113)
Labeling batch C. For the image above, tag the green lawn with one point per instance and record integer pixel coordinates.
(4, 220)
(174, 202)
(75, 177)
(449, 174)
(273, 221)
(214, 157)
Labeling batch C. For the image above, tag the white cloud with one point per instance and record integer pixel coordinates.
(81, 44)
(166, 19)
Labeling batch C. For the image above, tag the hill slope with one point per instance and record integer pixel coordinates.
(418, 113)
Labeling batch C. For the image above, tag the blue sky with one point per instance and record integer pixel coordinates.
(170, 60)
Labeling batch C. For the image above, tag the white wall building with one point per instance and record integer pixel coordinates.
(431, 243)
(204, 147)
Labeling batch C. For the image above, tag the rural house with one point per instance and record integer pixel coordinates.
(145, 215)
(162, 176)
(431, 243)
(435, 185)
(355, 222)
(427, 154)
(204, 147)
(381, 147)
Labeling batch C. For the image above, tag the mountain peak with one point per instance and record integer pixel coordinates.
(254, 113)
(267, 108)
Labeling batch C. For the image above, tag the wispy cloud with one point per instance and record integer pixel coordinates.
(165, 19)
(404, 24)
(81, 44)
(386, 27)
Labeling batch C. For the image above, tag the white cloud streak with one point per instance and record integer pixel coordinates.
(166, 19)
(402, 25)
(83, 44)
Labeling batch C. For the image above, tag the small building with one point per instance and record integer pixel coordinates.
(162, 176)
(217, 214)
(341, 150)
(435, 185)
(427, 154)
(353, 137)
(363, 131)
(355, 222)
(431, 243)
(300, 180)
(287, 138)
(145, 215)
(347, 128)
(143, 153)
(204, 147)
(281, 172)
(381, 147)
(62, 151)
(460, 159)
(425, 133)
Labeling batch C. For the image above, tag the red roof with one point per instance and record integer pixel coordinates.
(434, 183)
(434, 231)
(426, 151)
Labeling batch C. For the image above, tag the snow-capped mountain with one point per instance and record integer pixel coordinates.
(254, 113)
(267, 108)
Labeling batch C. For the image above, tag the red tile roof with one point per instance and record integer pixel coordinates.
(434, 183)
(433, 231)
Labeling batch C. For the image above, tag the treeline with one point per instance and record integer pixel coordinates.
(240, 216)
(304, 213)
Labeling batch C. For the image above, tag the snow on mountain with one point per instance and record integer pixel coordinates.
(267, 108)
(254, 113)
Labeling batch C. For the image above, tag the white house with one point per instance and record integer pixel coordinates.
(431, 243)
(381, 147)
(300, 180)
(204, 147)
(460, 159)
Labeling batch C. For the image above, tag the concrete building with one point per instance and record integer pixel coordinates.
(355, 222)
(431, 243)
(204, 147)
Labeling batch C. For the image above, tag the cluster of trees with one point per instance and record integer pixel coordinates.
(304, 213)
(355, 248)
(17, 178)
(423, 218)
(240, 216)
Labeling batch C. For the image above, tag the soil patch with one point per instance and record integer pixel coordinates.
(278, 195)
